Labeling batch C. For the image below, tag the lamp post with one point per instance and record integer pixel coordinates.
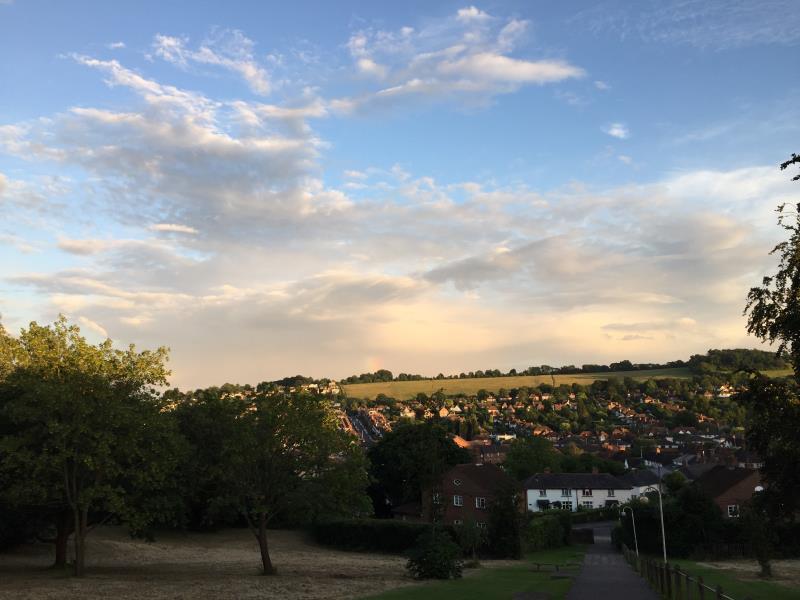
(633, 520)
(661, 513)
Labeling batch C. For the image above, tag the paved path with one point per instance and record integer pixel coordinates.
(605, 574)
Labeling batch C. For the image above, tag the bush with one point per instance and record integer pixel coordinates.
(375, 535)
(544, 533)
(435, 556)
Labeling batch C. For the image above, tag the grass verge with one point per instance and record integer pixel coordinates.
(495, 579)
(738, 584)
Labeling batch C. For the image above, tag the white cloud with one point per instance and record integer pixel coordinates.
(602, 85)
(617, 130)
(466, 55)
(93, 326)
(173, 228)
(229, 49)
(115, 45)
(624, 158)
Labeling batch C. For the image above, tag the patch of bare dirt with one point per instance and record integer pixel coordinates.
(225, 564)
(786, 572)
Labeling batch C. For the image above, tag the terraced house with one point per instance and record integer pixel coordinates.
(571, 491)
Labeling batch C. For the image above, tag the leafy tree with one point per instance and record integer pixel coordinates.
(504, 523)
(286, 448)
(773, 311)
(87, 430)
(531, 455)
(412, 457)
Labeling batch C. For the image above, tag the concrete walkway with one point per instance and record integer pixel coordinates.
(605, 574)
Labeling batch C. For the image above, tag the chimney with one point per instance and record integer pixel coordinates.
(595, 470)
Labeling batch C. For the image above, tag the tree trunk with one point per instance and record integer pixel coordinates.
(266, 562)
(63, 530)
(81, 517)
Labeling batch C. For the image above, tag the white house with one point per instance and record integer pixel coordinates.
(569, 491)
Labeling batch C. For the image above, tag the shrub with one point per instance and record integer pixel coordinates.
(541, 534)
(435, 556)
(375, 535)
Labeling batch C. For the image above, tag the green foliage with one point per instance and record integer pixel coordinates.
(504, 524)
(435, 556)
(734, 360)
(674, 481)
(773, 421)
(531, 455)
(412, 457)
(470, 537)
(369, 535)
(84, 430)
(545, 533)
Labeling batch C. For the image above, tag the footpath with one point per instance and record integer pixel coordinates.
(605, 574)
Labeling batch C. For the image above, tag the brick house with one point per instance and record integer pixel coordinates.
(466, 493)
(729, 487)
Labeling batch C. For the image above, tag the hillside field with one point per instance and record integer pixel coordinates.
(404, 390)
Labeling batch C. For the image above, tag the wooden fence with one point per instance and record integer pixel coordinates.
(671, 582)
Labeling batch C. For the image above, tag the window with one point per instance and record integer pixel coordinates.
(481, 524)
(542, 493)
(456, 482)
(733, 510)
(437, 498)
(480, 502)
(587, 492)
(566, 493)
(587, 504)
(610, 493)
(458, 500)
(456, 521)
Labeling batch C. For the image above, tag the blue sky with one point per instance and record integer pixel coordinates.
(326, 188)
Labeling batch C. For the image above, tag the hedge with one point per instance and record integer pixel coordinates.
(374, 535)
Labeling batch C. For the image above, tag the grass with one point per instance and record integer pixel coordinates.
(739, 584)
(499, 582)
(404, 390)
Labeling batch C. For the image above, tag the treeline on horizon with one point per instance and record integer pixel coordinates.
(713, 361)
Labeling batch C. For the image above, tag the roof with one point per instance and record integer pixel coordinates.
(695, 470)
(720, 479)
(560, 481)
(480, 478)
(639, 478)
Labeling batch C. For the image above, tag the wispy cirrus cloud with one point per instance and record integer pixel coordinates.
(226, 48)
(464, 55)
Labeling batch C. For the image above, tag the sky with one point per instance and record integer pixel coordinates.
(329, 188)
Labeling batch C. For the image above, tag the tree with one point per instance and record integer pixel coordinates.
(504, 523)
(531, 455)
(413, 457)
(87, 429)
(286, 448)
(773, 312)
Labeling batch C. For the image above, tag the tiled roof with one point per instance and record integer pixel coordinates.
(559, 481)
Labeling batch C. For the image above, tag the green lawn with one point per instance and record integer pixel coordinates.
(403, 390)
(739, 585)
(494, 582)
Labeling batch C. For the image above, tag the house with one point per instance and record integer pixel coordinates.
(729, 487)
(570, 491)
(465, 494)
(641, 480)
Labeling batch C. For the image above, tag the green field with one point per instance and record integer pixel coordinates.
(403, 390)
(495, 582)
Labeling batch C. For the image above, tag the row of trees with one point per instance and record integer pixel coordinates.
(86, 437)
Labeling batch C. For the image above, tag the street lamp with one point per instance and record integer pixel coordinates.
(633, 520)
(661, 512)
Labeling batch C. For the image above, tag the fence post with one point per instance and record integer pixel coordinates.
(719, 592)
(701, 590)
(668, 580)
